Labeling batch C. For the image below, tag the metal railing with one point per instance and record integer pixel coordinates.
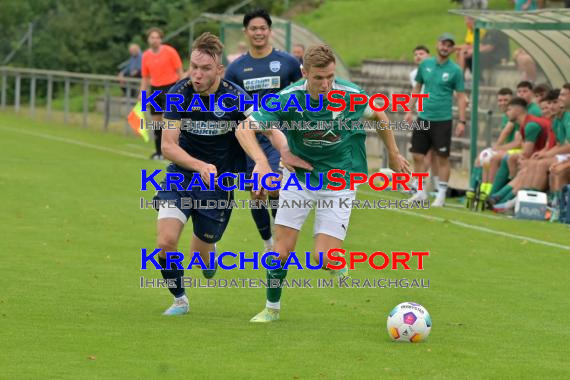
(112, 97)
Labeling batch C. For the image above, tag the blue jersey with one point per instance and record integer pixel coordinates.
(267, 75)
(206, 139)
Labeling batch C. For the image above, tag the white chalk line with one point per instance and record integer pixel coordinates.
(436, 218)
(471, 226)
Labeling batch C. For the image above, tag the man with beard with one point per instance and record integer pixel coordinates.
(440, 77)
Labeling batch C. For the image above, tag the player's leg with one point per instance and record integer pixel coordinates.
(169, 227)
(513, 165)
(209, 225)
(288, 223)
(559, 176)
(537, 174)
(502, 175)
(430, 163)
(332, 219)
(421, 144)
(204, 248)
(441, 139)
(494, 165)
(260, 213)
(285, 241)
(262, 220)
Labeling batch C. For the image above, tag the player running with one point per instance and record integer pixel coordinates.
(263, 70)
(195, 149)
(315, 151)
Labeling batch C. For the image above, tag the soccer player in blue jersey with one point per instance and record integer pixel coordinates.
(197, 149)
(263, 70)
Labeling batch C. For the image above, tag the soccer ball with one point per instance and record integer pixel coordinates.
(486, 155)
(409, 322)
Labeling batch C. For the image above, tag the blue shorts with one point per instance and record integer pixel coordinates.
(208, 224)
(272, 154)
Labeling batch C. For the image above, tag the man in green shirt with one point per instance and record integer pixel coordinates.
(314, 151)
(440, 77)
(536, 134)
(493, 154)
(499, 172)
(552, 160)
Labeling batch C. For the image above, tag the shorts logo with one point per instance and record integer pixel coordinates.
(274, 66)
(444, 149)
(445, 77)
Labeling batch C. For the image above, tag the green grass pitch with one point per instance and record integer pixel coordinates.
(71, 305)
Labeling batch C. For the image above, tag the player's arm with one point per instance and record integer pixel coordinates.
(504, 133)
(532, 132)
(396, 161)
(288, 159)
(172, 151)
(515, 144)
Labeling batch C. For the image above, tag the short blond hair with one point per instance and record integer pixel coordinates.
(209, 44)
(318, 56)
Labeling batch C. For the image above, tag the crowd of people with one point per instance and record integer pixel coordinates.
(532, 151)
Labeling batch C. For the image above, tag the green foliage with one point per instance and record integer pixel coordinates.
(384, 28)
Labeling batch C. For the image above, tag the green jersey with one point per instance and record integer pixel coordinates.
(511, 135)
(324, 138)
(561, 128)
(440, 80)
(534, 109)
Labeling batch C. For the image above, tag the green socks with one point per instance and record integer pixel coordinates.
(502, 177)
(274, 288)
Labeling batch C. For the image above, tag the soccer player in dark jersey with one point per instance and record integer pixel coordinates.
(196, 149)
(263, 70)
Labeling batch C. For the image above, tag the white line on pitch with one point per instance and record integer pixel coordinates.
(474, 227)
(77, 142)
(466, 225)
(460, 209)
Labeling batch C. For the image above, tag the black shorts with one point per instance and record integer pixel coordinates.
(160, 98)
(437, 137)
(209, 223)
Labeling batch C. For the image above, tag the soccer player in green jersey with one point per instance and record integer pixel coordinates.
(490, 158)
(315, 151)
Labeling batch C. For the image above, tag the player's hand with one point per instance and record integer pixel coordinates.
(409, 118)
(460, 129)
(290, 162)
(262, 169)
(555, 168)
(205, 170)
(399, 164)
(537, 155)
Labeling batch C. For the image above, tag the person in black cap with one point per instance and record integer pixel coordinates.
(441, 78)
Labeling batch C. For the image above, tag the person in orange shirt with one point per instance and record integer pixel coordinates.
(161, 69)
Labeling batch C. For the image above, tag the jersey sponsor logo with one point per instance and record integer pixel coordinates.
(321, 138)
(218, 112)
(262, 83)
(274, 66)
(207, 128)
